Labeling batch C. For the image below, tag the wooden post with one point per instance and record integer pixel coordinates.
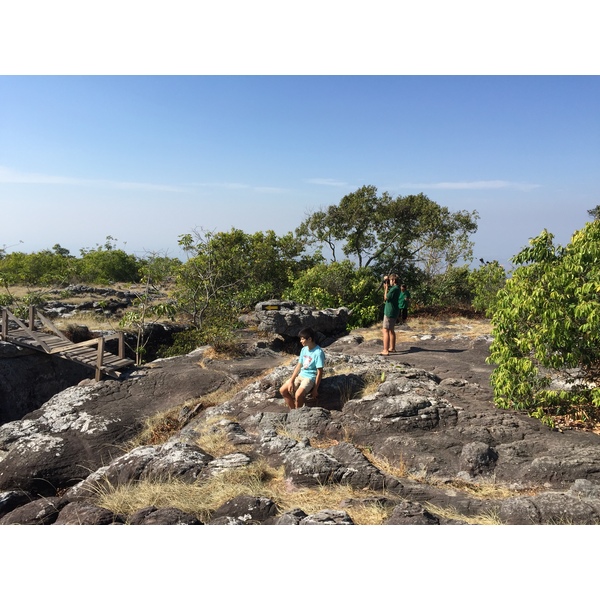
(100, 358)
(31, 317)
(121, 345)
(4, 324)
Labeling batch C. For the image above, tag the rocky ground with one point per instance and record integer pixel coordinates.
(417, 432)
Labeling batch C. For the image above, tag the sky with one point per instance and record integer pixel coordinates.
(152, 125)
(145, 159)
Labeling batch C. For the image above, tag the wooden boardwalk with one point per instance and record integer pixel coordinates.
(90, 353)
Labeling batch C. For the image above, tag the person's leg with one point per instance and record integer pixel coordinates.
(386, 340)
(392, 340)
(300, 397)
(284, 390)
(305, 385)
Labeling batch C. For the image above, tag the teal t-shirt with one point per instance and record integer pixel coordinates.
(311, 360)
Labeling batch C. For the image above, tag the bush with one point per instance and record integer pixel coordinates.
(486, 282)
(340, 284)
(546, 325)
(107, 266)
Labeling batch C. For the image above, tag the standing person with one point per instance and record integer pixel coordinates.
(307, 374)
(391, 292)
(403, 302)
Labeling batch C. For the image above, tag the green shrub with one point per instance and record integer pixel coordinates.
(340, 284)
(546, 325)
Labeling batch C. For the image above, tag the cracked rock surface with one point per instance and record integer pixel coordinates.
(426, 410)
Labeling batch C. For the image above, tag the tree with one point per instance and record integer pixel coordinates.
(386, 233)
(546, 328)
(37, 268)
(155, 271)
(106, 264)
(486, 281)
(234, 270)
(204, 279)
(595, 212)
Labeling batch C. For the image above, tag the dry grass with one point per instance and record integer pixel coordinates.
(443, 328)
(487, 489)
(159, 427)
(213, 440)
(485, 518)
(93, 321)
(257, 479)
(260, 480)
(200, 499)
(399, 470)
(372, 382)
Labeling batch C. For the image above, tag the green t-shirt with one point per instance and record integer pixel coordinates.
(391, 308)
(403, 299)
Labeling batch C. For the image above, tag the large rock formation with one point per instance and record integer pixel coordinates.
(287, 318)
(29, 378)
(438, 424)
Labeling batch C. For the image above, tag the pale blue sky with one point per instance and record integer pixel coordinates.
(145, 159)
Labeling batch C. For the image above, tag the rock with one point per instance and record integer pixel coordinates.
(328, 517)
(411, 513)
(43, 511)
(412, 431)
(13, 499)
(162, 516)
(82, 429)
(28, 379)
(478, 458)
(291, 517)
(81, 513)
(244, 510)
(288, 318)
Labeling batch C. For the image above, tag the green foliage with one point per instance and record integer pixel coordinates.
(20, 306)
(105, 266)
(7, 299)
(38, 268)
(234, 270)
(387, 233)
(486, 282)
(217, 331)
(340, 284)
(155, 271)
(183, 343)
(546, 324)
(595, 212)
(448, 289)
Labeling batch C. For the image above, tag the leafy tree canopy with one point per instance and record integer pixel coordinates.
(385, 233)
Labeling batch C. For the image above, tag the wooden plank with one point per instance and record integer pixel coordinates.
(93, 342)
(118, 363)
(50, 325)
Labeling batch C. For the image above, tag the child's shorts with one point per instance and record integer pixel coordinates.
(304, 383)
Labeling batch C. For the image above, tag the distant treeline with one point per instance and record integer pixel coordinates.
(336, 257)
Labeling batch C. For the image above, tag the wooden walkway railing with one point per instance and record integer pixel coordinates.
(56, 343)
